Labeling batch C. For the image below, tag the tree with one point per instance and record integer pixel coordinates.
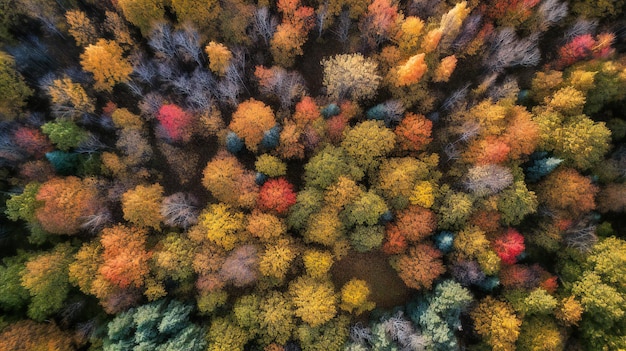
(66, 203)
(414, 132)
(445, 69)
(314, 301)
(276, 260)
(13, 296)
(484, 180)
(251, 119)
(13, 89)
(379, 23)
(159, 325)
(366, 238)
(224, 334)
(69, 99)
(180, 210)
(317, 263)
(455, 210)
(219, 57)
(354, 297)
(368, 142)
(265, 226)
(540, 333)
(420, 266)
(612, 198)
(350, 77)
(177, 123)
(496, 322)
(28, 335)
(241, 266)
(328, 166)
(23, 206)
(202, 14)
(270, 165)
(324, 227)
(308, 202)
(142, 205)
(45, 277)
(509, 245)
(415, 223)
(276, 195)
(105, 61)
(276, 317)
(568, 191)
(398, 176)
(411, 71)
(222, 225)
(64, 134)
(292, 33)
(227, 179)
(366, 209)
(173, 258)
(516, 202)
(125, 258)
(142, 13)
(81, 27)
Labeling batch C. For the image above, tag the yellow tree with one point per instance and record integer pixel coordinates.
(496, 322)
(219, 57)
(314, 301)
(250, 121)
(354, 297)
(106, 62)
(222, 225)
(81, 27)
(142, 205)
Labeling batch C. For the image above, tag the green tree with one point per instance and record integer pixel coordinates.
(23, 206)
(330, 336)
(160, 325)
(328, 165)
(142, 13)
(46, 278)
(224, 335)
(516, 202)
(365, 210)
(13, 296)
(13, 89)
(64, 134)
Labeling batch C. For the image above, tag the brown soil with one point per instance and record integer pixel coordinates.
(387, 289)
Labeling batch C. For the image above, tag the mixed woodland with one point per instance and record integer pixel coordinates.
(312, 175)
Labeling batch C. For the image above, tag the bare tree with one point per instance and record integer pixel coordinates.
(180, 210)
(487, 180)
(550, 12)
(264, 25)
(507, 50)
(187, 43)
(360, 334)
(581, 235)
(162, 41)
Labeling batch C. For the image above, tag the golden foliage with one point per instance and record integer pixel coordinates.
(105, 61)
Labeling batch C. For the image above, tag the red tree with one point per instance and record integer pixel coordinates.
(277, 195)
(395, 242)
(416, 223)
(509, 246)
(176, 123)
(32, 141)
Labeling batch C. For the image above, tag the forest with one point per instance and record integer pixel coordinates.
(312, 175)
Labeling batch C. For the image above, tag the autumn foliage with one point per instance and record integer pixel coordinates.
(66, 202)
